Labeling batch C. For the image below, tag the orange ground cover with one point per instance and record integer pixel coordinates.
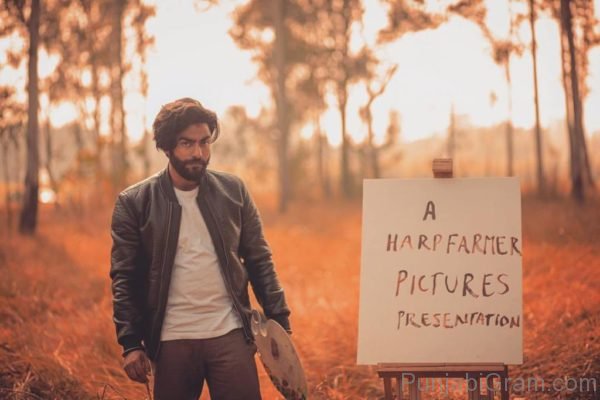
(57, 339)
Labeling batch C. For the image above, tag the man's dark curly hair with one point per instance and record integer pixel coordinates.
(173, 118)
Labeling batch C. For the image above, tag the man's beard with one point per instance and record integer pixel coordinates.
(192, 170)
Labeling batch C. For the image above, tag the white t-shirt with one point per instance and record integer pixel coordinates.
(198, 306)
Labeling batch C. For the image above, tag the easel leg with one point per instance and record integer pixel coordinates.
(387, 387)
(474, 392)
(504, 385)
(399, 388)
(413, 388)
(490, 387)
(504, 391)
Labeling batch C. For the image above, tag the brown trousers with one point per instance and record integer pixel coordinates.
(226, 362)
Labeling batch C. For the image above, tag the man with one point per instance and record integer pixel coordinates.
(185, 244)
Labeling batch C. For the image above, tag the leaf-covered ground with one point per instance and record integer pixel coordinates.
(57, 340)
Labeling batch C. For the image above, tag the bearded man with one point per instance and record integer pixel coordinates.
(186, 242)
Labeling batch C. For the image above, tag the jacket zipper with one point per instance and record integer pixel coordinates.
(245, 322)
(162, 271)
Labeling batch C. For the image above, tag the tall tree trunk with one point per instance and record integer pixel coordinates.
(367, 114)
(322, 170)
(370, 170)
(574, 139)
(451, 144)
(587, 166)
(564, 55)
(577, 160)
(6, 175)
(281, 104)
(590, 38)
(372, 150)
(146, 137)
(48, 158)
(28, 220)
(79, 205)
(346, 178)
(541, 180)
(487, 168)
(509, 125)
(14, 137)
(96, 115)
(119, 137)
(144, 151)
(375, 162)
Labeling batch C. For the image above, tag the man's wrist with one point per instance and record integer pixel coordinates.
(284, 321)
(127, 351)
(131, 343)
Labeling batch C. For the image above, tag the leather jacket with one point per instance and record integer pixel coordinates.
(145, 230)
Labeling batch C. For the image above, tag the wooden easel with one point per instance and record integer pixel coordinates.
(474, 372)
(442, 168)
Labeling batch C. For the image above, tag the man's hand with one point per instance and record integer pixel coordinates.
(137, 366)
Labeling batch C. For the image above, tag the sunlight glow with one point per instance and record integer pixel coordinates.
(194, 56)
(47, 196)
(63, 113)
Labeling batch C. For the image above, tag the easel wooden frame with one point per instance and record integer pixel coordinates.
(472, 372)
(442, 168)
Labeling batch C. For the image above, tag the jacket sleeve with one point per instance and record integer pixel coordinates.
(258, 260)
(127, 312)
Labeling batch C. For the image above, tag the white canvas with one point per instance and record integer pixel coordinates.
(482, 321)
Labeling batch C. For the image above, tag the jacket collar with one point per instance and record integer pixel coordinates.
(166, 184)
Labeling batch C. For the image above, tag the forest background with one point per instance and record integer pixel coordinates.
(314, 96)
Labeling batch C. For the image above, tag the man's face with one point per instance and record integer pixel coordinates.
(191, 154)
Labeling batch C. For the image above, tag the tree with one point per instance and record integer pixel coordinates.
(309, 97)
(245, 145)
(345, 68)
(250, 21)
(577, 36)
(374, 90)
(25, 16)
(60, 37)
(502, 54)
(143, 42)
(285, 47)
(334, 68)
(407, 16)
(451, 142)
(502, 50)
(541, 180)
(94, 32)
(12, 115)
(117, 109)
(281, 102)
(100, 26)
(577, 136)
(89, 38)
(79, 32)
(322, 155)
